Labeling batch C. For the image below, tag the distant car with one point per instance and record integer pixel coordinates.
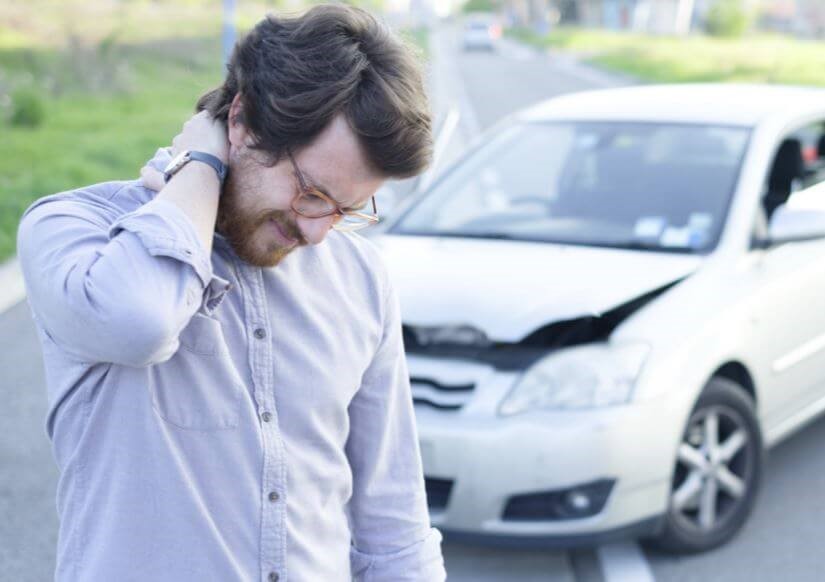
(481, 33)
(611, 307)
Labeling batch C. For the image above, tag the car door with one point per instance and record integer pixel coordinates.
(789, 307)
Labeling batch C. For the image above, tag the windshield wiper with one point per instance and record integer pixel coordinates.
(487, 235)
(640, 245)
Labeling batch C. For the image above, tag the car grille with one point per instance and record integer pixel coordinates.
(440, 395)
(438, 492)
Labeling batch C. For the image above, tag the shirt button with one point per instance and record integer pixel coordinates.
(266, 416)
(260, 333)
(273, 577)
(273, 496)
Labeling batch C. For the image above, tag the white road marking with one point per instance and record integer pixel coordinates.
(11, 285)
(624, 562)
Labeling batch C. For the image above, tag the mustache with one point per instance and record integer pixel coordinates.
(289, 228)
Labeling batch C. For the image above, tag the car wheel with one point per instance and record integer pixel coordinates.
(718, 471)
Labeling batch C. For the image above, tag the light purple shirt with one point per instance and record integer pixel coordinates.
(215, 421)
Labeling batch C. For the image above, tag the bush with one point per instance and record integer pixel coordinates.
(727, 18)
(27, 108)
(480, 6)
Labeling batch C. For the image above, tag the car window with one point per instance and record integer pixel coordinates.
(798, 166)
(642, 185)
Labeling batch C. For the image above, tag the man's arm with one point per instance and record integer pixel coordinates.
(392, 537)
(120, 289)
(195, 188)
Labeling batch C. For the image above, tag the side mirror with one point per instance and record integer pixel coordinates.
(386, 200)
(794, 225)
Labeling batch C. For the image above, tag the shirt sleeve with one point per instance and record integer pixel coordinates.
(112, 290)
(392, 537)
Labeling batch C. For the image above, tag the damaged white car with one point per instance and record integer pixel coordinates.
(613, 304)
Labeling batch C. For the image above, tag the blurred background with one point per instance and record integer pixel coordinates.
(90, 89)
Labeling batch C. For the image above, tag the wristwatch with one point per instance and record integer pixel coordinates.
(187, 156)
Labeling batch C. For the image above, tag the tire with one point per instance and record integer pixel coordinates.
(715, 480)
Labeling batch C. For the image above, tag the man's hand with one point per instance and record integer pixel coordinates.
(200, 132)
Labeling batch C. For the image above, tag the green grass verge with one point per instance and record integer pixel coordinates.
(87, 138)
(757, 59)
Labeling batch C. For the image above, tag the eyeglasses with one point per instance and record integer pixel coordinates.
(312, 203)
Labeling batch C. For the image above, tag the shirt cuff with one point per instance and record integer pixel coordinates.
(165, 230)
(214, 294)
(420, 562)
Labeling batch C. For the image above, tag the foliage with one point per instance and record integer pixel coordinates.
(27, 108)
(481, 6)
(93, 135)
(727, 18)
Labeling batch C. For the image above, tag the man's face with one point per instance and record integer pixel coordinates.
(255, 213)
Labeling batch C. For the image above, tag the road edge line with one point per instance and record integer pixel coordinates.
(12, 289)
(624, 562)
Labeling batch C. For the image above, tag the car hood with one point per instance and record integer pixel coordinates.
(507, 289)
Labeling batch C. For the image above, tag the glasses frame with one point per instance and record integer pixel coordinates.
(306, 189)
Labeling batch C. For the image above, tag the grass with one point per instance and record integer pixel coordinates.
(94, 137)
(759, 58)
(419, 38)
(112, 96)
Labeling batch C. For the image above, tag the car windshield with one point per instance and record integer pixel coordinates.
(628, 185)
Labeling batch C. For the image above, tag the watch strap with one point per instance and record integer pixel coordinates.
(216, 164)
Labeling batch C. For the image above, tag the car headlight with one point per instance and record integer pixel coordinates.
(586, 376)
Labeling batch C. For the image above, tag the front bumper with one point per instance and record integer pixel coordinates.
(642, 529)
(489, 459)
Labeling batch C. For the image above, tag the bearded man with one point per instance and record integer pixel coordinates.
(229, 398)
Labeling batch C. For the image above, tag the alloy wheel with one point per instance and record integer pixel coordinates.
(714, 469)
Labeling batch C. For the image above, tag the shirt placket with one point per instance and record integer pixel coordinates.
(273, 478)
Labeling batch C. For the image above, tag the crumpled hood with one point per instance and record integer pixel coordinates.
(508, 289)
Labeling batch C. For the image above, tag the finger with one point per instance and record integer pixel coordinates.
(176, 145)
(151, 178)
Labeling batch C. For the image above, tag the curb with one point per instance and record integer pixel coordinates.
(12, 290)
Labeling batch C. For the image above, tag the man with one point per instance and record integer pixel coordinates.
(229, 398)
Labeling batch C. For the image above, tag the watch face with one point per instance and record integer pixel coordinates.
(177, 163)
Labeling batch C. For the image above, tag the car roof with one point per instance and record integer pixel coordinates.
(711, 103)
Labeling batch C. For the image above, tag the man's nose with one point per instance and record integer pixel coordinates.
(315, 229)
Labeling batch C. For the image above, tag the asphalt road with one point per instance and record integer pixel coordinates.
(28, 478)
(781, 542)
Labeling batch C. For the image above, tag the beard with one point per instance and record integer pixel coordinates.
(242, 227)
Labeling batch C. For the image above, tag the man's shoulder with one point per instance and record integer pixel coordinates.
(106, 200)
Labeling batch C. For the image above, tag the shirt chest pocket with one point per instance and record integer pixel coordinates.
(198, 388)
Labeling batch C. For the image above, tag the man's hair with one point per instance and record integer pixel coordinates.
(295, 74)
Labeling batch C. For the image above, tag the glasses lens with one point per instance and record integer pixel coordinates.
(310, 204)
(354, 222)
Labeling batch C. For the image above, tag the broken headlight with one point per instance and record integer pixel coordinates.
(587, 376)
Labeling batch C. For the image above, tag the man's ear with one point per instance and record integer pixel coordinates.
(239, 134)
